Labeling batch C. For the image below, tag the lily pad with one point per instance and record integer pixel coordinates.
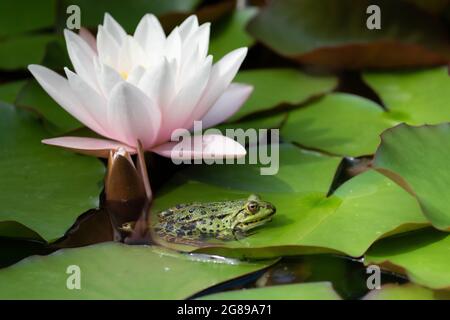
(307, 222)
(417, 159)
(298, 291)
(273, 87)
(298, 171)
(409, 291)
(9, 91)
(423, 255)
(18, 52)
(274, 121)
(338, 123)
(16, 18)
(334, 34)
(415, 97)
(116, 271)
(230, 34)
(43, 188)
(33, 97)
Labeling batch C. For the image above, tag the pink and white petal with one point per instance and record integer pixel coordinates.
(189, 66)
(222, 74)
(227, 105)
(135, 75)
(177, 113)
(194, 51)
(74, 40)
(59, 89)
(82, 57)
(107, 47)
(89, 146)
(212, 146)
(89, 38)
(158, 83)
(150, 35)
(203, 38)
(114, 28)
(133, 116)
(150, 80)
(172, 48)
(198, 39)
(130, 55)
(188, 26)
(92, 102)
(107, 77)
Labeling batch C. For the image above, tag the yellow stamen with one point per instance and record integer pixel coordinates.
(124, 75)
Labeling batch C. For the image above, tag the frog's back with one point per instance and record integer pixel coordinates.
(195, 220)
(197, 210)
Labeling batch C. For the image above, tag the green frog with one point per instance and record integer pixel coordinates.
(224, 220)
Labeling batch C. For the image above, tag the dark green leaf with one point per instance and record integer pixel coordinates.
(43, 188)
(339, 123)
(334, 33)
(417, 159)
(117, 271)
(422, 255)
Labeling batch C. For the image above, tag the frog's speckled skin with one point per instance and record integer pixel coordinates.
(223, 220)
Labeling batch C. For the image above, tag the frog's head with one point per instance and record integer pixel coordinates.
(254, 213)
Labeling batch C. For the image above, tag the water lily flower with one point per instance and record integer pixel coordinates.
(143, 87)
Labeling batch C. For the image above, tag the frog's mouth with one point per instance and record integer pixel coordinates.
(253, 222)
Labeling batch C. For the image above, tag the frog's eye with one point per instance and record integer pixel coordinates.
(252, 207)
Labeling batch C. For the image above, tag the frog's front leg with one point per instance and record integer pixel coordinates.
(224, 235)
(238, 235)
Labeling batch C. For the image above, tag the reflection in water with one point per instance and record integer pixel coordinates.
(91, 227)
(348, 276)
(14, 250)
(349, 168)
(201, 257)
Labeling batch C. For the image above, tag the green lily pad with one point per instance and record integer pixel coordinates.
(13, 229)
(415, 97)
(117, 271)
(230, 34)
(298, 291)
(334, 34)
(43, 188)
(58, 120)
(422, 255)
(273, 87)
(298, 171)
(409, 291)
(9, 91)
(56, 56)
(16, 18)
(338, 123)
(274, 121)
(309, 222)
(18, 52)
(417, 159)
